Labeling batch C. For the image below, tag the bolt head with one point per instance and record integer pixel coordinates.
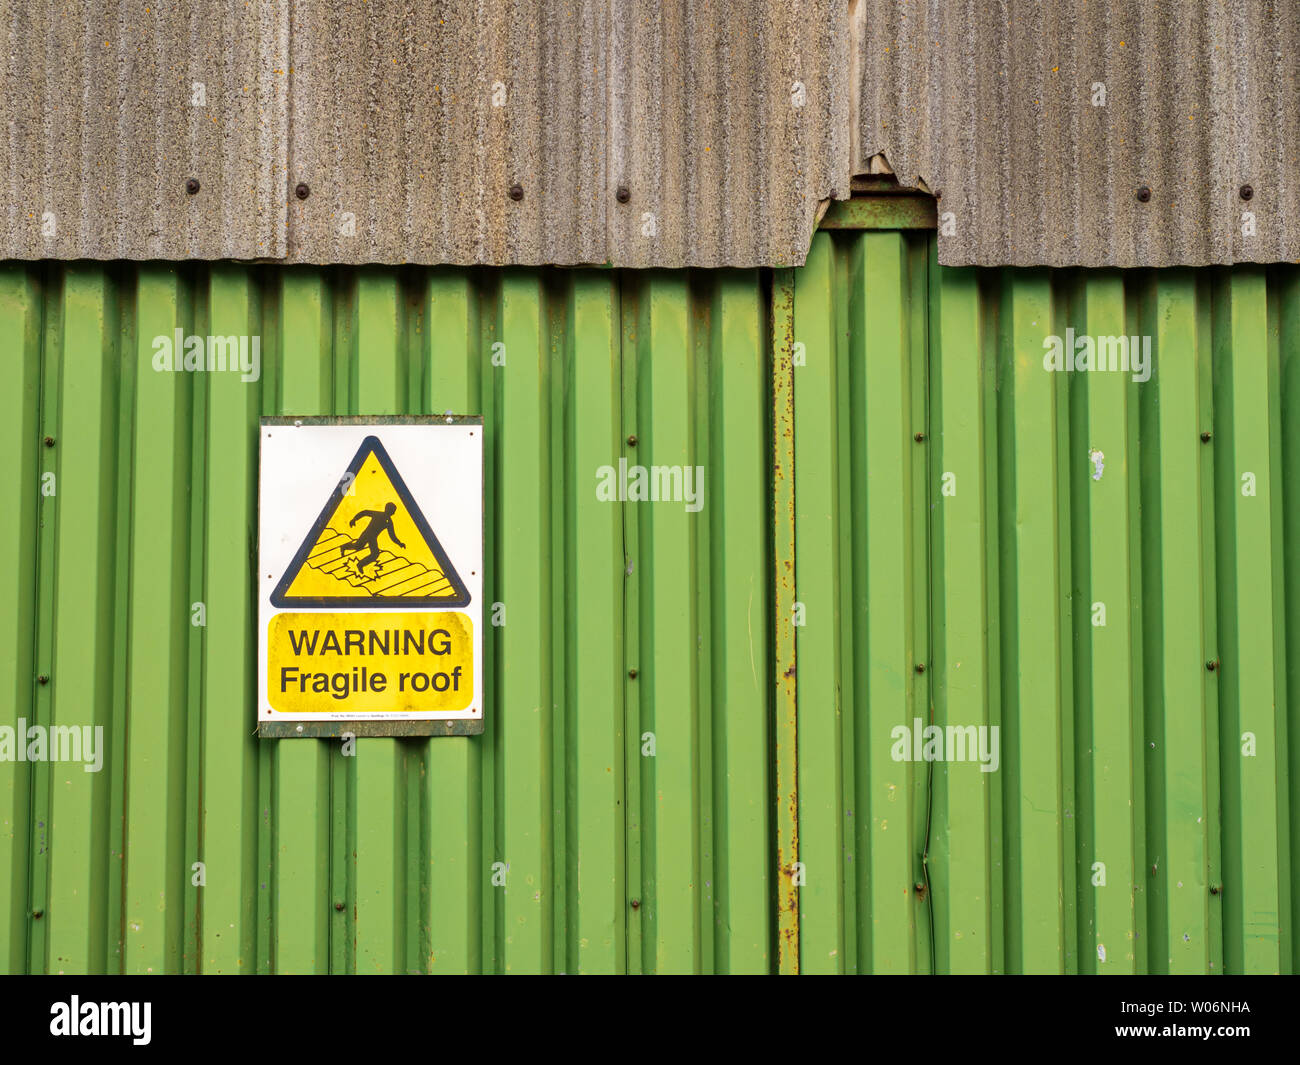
(192, 186)
(516, 192)
(919, 437)
(920, 667)
(1143, 194)
(1245, 192)
(632, 673)
(339, 906)
(623, 194)
(42, 679)
(1205, 438)
(632, 440)
(49, 441)
(302, 190)
(636, 904)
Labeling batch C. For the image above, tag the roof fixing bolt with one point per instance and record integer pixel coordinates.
(1205, 437)
(1143, 194)
(632, 673)
(38, 914)
(1216, 889)
(516, 192)
(632, 440)
(1245, 192)
(920, 667)
(623, 194)
(1212, 665)
(49, 441)
(42, 679)
(302, 190)
(339, 906)
(636, 904)
(919, 437)
(192, 186)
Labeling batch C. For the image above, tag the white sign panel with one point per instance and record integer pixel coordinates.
(370, 578)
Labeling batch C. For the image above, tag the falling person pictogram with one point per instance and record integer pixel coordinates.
(369, 538)
(333, 567)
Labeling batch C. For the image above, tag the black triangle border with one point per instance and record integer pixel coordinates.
(372, 444)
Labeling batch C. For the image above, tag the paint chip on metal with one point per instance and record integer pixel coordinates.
(1096, 458)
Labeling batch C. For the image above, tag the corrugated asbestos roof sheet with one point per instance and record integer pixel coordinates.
(726, 121)
(101, 132)
(1039, 123)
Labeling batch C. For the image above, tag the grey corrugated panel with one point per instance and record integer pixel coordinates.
(706, 134)
(394, 123)
(690, 106)
(992, 105)
(102, 135)
(385, 111)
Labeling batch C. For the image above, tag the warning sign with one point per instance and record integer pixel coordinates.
(341, 561)
(371, 552)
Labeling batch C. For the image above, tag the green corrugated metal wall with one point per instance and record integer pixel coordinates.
(381, 862)
(1119, 746)
(821, 507)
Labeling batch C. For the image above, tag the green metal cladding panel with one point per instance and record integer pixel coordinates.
(383, 861)
(955, 578)
(843, 578)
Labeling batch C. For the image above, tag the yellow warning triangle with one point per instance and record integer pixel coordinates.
(371, 545)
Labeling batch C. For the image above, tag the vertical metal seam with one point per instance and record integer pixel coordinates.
(785, 734)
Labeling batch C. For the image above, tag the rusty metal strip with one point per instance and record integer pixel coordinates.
(888, 211)
(786, 705)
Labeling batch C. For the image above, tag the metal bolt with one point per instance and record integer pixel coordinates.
(1215, 889)
(1245, 192)
(636, 904)
(1212, 665)
(302, 190)
(42, 679)
(49, 441)
(919, 437)
(192, 186)
(632, 673)
(1205, 437)
(38, 914)
(632, 440)
(1143, 194)
(339, 906)
(920, 667)
(623, 194)
(516, 192)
